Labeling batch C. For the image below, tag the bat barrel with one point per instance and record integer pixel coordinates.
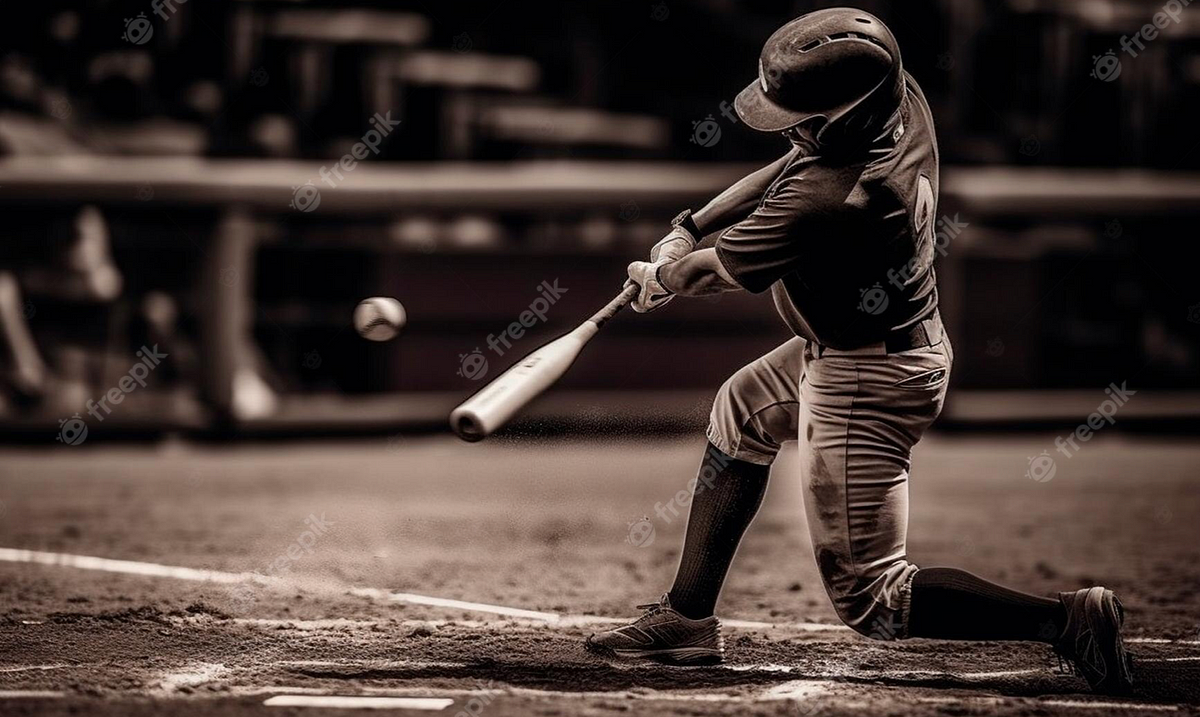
(468, 424)
(489, 409)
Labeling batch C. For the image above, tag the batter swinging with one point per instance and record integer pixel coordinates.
(848, 211)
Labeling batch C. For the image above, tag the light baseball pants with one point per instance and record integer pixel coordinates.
(857, 415)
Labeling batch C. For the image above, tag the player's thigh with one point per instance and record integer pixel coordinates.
(755, 410)
(859, 420)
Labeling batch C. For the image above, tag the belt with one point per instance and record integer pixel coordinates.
(928, 332)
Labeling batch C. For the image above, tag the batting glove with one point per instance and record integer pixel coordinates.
(674, 246)
(653, 294)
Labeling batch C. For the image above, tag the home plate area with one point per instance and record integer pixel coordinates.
(148, 581)
(135, 660)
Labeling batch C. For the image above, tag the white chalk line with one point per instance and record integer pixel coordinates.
(347, 702)
(801, 691)
(30, 694)
(31, 668)
(1069, 704)
(795, 690)
(1160, 641)
(193, 675)
(133, 567)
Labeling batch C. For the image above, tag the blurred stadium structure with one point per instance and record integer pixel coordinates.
(224, 180)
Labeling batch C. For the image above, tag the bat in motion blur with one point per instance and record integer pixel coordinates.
(489, 409)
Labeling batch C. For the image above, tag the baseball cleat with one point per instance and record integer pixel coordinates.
(1091, 642)
(663, 635)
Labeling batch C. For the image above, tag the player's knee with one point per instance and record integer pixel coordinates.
(871, 606)
(726, 398)
(732, 407)
(723, 421)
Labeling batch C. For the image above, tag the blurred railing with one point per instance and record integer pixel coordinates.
(263, 260)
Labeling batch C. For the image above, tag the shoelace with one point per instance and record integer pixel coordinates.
(651, 609)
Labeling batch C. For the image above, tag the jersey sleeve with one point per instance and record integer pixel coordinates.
(770, 243)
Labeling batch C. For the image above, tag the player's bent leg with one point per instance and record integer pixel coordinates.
(860, 415)
(1083, 626)
(754, 412)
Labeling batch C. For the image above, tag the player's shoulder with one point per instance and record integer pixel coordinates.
(816, 183)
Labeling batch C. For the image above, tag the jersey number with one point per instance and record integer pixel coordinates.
(923, 224)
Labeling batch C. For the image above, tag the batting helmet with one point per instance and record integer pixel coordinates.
(839, 64)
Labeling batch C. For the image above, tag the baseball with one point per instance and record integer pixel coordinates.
(379, 318)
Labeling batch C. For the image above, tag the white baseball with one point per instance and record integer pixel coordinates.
(379, 318)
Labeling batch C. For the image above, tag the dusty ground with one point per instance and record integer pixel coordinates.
(546, 526)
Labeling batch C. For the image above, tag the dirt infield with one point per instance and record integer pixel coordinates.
(317, 538)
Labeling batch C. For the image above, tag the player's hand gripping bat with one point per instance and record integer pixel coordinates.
(489, 409)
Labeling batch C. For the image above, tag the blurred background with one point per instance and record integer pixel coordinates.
(207, 189)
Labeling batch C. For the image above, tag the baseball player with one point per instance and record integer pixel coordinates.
(849, 209)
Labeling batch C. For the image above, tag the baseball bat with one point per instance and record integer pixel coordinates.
(493, 405)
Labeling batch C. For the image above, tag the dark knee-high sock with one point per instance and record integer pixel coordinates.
(952, 604)
(728, 493)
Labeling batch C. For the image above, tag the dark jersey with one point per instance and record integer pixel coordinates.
(847, 246)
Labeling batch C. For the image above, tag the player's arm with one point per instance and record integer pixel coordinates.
(697, 274)
(723, 211)
(740, 199)
(753, 254)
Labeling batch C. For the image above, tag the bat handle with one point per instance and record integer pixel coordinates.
(611, 308)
